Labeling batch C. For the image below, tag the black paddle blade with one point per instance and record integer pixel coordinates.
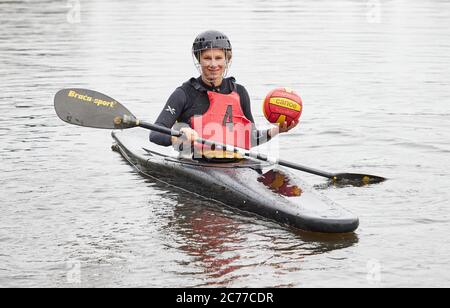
(92, 109)
(356, 179)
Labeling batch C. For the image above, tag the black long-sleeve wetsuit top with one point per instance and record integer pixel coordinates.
(180, 108)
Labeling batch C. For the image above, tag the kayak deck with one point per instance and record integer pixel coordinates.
(249, 185)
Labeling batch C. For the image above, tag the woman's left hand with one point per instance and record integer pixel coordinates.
(284, 128)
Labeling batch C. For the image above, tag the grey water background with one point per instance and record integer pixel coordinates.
(375, 80)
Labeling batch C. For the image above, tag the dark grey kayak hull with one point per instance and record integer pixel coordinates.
(243, 185)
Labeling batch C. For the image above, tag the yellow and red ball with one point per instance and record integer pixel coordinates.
(282, 105)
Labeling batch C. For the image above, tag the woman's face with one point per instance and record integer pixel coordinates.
(213, 63)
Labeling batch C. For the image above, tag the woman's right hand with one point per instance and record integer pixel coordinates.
(188, 135)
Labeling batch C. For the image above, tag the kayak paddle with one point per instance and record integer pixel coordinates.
(93, 109)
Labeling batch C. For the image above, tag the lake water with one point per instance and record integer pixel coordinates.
(375, 80)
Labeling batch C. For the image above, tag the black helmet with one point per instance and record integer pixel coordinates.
(210, 39)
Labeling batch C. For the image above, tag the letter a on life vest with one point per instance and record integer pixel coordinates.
(228, 118)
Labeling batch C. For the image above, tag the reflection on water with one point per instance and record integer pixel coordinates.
(208, 236)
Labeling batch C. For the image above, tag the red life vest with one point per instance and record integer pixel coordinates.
(224, 121)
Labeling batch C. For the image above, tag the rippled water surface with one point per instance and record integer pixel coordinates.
(375, 80)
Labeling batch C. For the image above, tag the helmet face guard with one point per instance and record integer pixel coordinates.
(211, 40)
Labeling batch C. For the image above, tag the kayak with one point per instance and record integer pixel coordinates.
(247, 185)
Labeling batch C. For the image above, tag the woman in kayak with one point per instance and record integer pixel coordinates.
(211, 106)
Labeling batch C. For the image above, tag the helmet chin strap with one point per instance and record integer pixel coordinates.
(211, 82)
(213, 85)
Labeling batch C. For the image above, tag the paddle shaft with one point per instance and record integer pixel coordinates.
(172, 132)
(90, 108)
(159, 129)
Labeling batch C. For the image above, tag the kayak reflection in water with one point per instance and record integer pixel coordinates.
(213, 239)
(211, 106)
(280, 183)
